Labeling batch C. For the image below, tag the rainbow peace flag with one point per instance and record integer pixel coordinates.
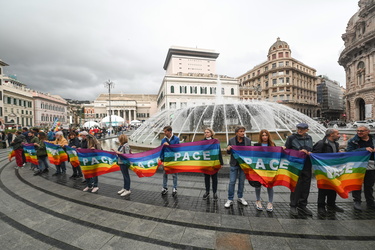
(73, 157)
(56, 154)
(342, 172)
(271, 166)
(97, 162)
(30, 153)
(11, 154)
(200, 157)
(144, 164)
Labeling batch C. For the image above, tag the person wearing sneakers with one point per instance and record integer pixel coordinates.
(90, 142)
(169, 139)
(208, 135)
(264, 140)
(303, 142)
(360, 142)
(235, 170)
(124, 148)
(328, 144)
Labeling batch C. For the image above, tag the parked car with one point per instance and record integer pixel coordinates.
(338, 123)
(357, 124)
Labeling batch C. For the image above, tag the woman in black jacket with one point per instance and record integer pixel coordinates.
(266, 141)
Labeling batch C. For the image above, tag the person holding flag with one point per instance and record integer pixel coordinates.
(169, 139)
(61, 141)
(209, 135)
(235, 170)
(328, 144)
(303, 142)
(264, 140)
(360, 142)
(90, 142)
(41, 153)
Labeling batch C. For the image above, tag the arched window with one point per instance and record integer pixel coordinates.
(232, 91)
(172, 89)
(361, 70)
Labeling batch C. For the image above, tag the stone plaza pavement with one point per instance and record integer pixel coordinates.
(48, 212)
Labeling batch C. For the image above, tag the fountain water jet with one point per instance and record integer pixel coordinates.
(189, 123)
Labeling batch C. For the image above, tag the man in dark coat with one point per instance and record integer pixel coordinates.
(328, 144)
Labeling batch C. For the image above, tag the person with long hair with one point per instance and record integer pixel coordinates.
(124, 148)
(61, 141)
(41, 153)
(265, 140)
(208, 135)
(90, 142)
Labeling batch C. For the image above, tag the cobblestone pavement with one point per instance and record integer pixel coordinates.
(48, 212)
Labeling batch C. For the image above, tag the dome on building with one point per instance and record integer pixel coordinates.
(278, 45)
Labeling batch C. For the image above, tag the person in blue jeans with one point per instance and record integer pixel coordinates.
(169, 139)
(235, 170)
(124, 148)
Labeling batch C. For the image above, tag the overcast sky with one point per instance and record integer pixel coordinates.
(72, 47)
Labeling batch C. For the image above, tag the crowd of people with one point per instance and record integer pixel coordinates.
(300, 140)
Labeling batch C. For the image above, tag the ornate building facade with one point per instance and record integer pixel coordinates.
(48, 108)
(282, 79)
(358, 60)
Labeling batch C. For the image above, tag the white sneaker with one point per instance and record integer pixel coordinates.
(121, 191)
(242, 201)
(86, 189)
(228, 203)
(94, 190)
(125, 193)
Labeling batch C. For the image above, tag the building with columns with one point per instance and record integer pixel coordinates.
(128, 106)
(282, 79)
(191, 79)
(358, 60)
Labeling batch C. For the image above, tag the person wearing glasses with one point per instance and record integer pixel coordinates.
(360, 142)
(303, 142)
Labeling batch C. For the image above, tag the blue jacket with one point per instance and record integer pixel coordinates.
(354, 146)
(173, 140)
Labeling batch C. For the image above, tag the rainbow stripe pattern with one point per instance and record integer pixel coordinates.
(200, 157)
(11, 154)
(144, 164)
(271, 166)
(342, 172)
(56, 154)
(30, 153)
(73, 157)
(97, 162)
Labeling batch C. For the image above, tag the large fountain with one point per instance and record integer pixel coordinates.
(189, 123)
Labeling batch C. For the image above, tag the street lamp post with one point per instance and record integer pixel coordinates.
(109, 84)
